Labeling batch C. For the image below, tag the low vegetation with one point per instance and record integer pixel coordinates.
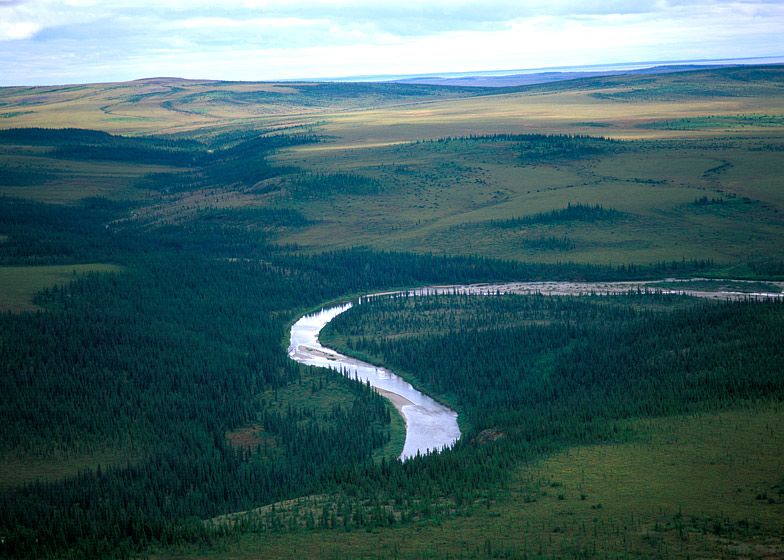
(572, 213)
(685, 486)
(157, 245)
(20, 284)
(746, 287)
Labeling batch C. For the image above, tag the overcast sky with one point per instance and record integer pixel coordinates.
(71, 41)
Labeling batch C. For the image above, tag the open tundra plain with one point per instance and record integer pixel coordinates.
(159, 238)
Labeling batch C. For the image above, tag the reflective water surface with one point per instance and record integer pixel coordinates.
(431, 426)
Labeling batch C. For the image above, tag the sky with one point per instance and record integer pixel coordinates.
(46, 42)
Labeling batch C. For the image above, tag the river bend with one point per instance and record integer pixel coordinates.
(430, 425)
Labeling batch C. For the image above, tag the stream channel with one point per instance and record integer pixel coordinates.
(430, 425)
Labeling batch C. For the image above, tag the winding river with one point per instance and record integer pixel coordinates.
(430, 425)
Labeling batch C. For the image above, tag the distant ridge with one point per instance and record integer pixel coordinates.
(513, 80)
(532, 76)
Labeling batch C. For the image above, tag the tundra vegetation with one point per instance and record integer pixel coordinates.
(158, 238)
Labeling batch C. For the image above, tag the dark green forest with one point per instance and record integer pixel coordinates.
(168, 356)
(563, 369)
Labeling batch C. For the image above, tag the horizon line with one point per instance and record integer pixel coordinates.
(380, 78)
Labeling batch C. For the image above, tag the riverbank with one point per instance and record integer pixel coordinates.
(431, 425)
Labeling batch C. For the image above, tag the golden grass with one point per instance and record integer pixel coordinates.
(426, 193)
(140, 108)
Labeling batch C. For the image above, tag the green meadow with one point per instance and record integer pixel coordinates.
(19, 284)
(675, 199)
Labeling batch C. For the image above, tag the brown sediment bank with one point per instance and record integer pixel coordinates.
(399, 401)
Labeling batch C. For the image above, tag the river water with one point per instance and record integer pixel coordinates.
(430, 425)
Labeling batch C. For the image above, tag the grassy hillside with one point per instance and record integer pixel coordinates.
(620, 107)
(167, 105)
(225, 210)
(694, 171)
(672, 200)
(368, 113)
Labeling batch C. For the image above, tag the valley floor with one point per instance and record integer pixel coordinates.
(704, 486)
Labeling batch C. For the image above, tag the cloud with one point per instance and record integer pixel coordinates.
(225, 22)
(25, 19)
(48, 41)
(19, 30)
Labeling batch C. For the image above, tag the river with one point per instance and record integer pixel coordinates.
(430, 425)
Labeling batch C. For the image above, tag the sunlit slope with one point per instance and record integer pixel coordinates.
(697, 172)
(658, 200)
(689, 104)
(361, 113)
(167, 105)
